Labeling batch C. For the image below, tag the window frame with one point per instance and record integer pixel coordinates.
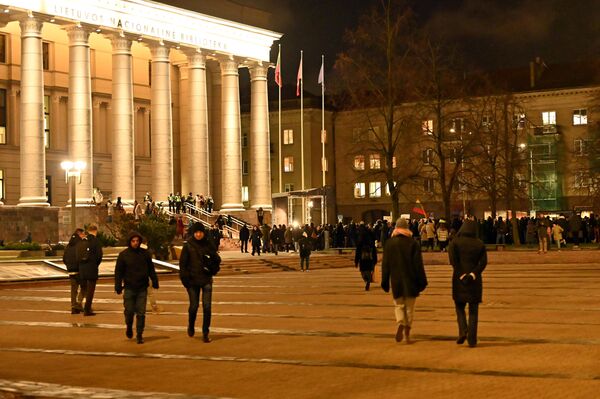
(374, 192)
(548, 118)
(288, 164)
(288, 136)
(360, 163)
(361, 188)
(374, 161)
(580, 118)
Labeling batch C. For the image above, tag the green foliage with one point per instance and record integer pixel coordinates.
(158, 233)
(106, 240)
(22, 246)
(57, 247)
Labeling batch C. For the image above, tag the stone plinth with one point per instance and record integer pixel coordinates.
(16, 222)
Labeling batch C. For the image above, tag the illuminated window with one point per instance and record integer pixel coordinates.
(359, 190)
(375, 161)
(288, 136)
(427, 127)
(288, 164)
(549, 118)
(580, 117)
(288, 187)
(359, 162)
(458, 125)
(245, 195)
(375, 189)
(47, 121)
(519, 121)
(387, 189)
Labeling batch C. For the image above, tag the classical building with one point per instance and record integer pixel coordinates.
(145, 94)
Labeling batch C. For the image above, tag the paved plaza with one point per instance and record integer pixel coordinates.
(287, 334)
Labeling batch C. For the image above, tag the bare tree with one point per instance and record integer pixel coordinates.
(442, 96)
(374, 76)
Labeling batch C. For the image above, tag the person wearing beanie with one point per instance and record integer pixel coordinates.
(468, 258)
(133, 269)
(198, 264)
(403, 271)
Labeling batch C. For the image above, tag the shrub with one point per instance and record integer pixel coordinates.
(106, 240)
(22, 246)
(158, 233)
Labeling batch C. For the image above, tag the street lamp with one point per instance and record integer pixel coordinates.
(73, 177)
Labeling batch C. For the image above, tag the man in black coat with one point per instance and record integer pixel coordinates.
(468, 258)
(402, 268)
(134, 267)
(244, 237)
(365, 255)
(198, 264)
(72, 263)
(90, 256)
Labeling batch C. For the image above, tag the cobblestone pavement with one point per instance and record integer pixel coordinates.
(316, 335)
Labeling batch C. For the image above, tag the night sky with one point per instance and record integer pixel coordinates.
(491, 34)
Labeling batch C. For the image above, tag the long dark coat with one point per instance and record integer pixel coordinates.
(366, 243)
(402, 267)
(90, 256)
(467, 255)
(194, 269)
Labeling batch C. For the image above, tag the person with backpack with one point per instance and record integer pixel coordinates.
(198, 264)
(305, 249)
(133, 269)
(89, 256)
(365, 256)
(72, 263)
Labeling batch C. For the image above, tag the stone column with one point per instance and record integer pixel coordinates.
(260, 163)
(32, 150)
(197, 145)
(184, 120)
(79, 125)
(123, 150)
(215, 137)
(231, 151)
(161, 124)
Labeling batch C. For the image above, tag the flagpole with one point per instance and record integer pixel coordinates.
(323, 135)
(279, 118)
(302, 134)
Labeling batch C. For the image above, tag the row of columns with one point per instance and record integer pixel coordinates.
(228, 127)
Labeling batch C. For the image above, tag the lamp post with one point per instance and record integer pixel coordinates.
(73, 177)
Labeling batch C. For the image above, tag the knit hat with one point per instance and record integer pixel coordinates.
(402, 223)
(196, 227)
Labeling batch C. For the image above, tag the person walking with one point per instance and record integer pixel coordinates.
(402, 269)
(133, 269)
(365, 256)
(260, 215)
(198, 264)
(71, 261)
(557, 235)
(90, 256)
(305, 249)
(244, 237)
(468, 258)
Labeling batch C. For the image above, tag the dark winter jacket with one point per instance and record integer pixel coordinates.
(199, 262)
(244, 234)
(134, 267)
(467, 255)
(70, 256)
(305, 246)
(402, 267)
(365, 255)
(89, 252)
(255, 237)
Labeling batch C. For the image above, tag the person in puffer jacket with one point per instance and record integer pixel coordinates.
(133, 270)
(198, 264)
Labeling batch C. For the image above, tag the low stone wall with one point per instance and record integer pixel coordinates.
(16, 222)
